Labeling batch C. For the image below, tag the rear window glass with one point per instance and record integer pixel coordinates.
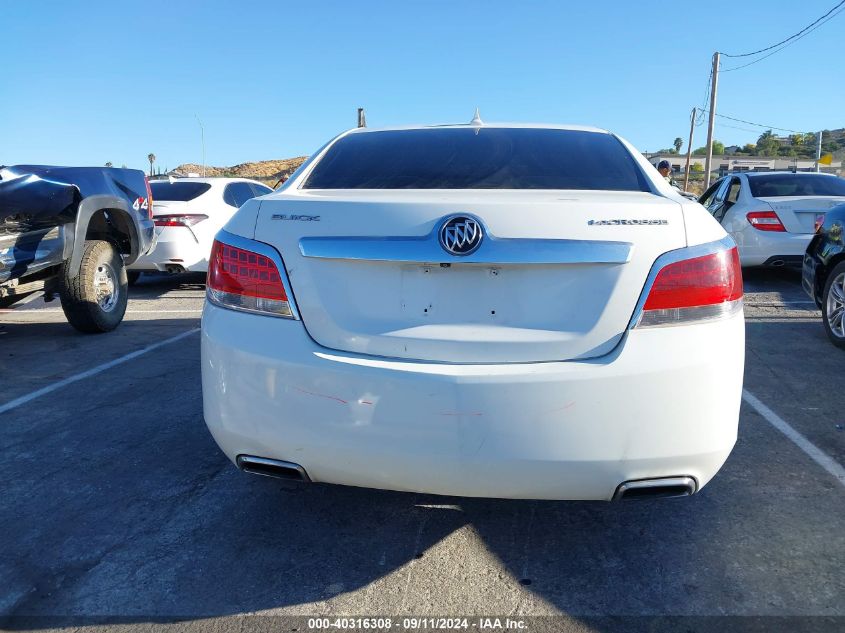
(478, 158)
(781, 185)
(178, 191)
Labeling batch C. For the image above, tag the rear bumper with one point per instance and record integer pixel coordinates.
(767, 248)
(665, 403)
(809, 281)
(175, 246)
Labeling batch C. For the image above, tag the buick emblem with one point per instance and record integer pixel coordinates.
(461, 235)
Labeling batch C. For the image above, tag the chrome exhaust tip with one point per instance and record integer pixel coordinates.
(272, 468)
(664, 488)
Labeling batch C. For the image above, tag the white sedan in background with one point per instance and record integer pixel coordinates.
(187, 213)
(772, 215)
(476, 310)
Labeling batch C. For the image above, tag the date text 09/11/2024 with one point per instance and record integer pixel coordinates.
(416, 623)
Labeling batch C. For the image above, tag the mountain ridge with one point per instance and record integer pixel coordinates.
(269, 171)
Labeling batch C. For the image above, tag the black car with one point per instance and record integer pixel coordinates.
(69, 231)
(823, 274)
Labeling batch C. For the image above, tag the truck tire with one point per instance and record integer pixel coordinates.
(95, 299)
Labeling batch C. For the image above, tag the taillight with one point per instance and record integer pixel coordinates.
(765, 221)
(696, 289)
(179, 220)
(242, 279)
(819, 223)
(149, 199)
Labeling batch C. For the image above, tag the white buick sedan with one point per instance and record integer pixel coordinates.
(478, 310)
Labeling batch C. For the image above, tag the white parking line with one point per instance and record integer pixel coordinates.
(60, 311)
(815, 453)
(91, 372)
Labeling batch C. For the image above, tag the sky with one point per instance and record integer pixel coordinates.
(84, 82)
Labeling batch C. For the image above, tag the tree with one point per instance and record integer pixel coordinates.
(718, 148)
(767, 144)
(152, 159)
(678, 143)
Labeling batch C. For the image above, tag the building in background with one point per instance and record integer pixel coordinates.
(730, 163)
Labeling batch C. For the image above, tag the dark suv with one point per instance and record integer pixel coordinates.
(823, 275)
(70, 231)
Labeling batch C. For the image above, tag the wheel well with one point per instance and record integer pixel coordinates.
(821, 280)
(113, 226)
(835, 261)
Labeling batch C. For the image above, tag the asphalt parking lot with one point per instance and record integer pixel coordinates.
(118, 508)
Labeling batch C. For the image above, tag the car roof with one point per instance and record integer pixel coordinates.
(536, 126)
(782, 172)
(211, 180)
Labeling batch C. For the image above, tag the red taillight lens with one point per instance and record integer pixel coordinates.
(179, 220)
(765, 221)
(701, 288)
(245, 280)
(149, 199)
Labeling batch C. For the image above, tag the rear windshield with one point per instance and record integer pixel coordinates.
(780, 185)
(478, 158)
(178, 191)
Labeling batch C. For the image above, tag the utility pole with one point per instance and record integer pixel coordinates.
(362, 118)
(708, 163)
(819, 153)
(689, 149)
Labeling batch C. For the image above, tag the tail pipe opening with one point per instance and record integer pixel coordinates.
(664, 488)
(272, 468)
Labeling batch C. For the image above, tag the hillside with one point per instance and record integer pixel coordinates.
(268, 171)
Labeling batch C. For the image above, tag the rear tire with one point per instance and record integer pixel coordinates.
(95, 300)
(833, 305)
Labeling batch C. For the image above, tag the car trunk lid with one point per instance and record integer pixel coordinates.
(557, 276)
(800, 213)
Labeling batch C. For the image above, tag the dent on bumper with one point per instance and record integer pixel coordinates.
(664, 403)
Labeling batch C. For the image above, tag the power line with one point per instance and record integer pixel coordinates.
(767, 127)
(794, 41)
(791, 37)
(736, 127)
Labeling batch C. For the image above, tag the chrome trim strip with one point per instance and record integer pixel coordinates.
(493, 250)
(687, 482)
(262, 249)
(243, 460)
(688, 252)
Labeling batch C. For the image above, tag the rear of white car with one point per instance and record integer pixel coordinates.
(772, 216)
(493, 311)
(188, 213)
